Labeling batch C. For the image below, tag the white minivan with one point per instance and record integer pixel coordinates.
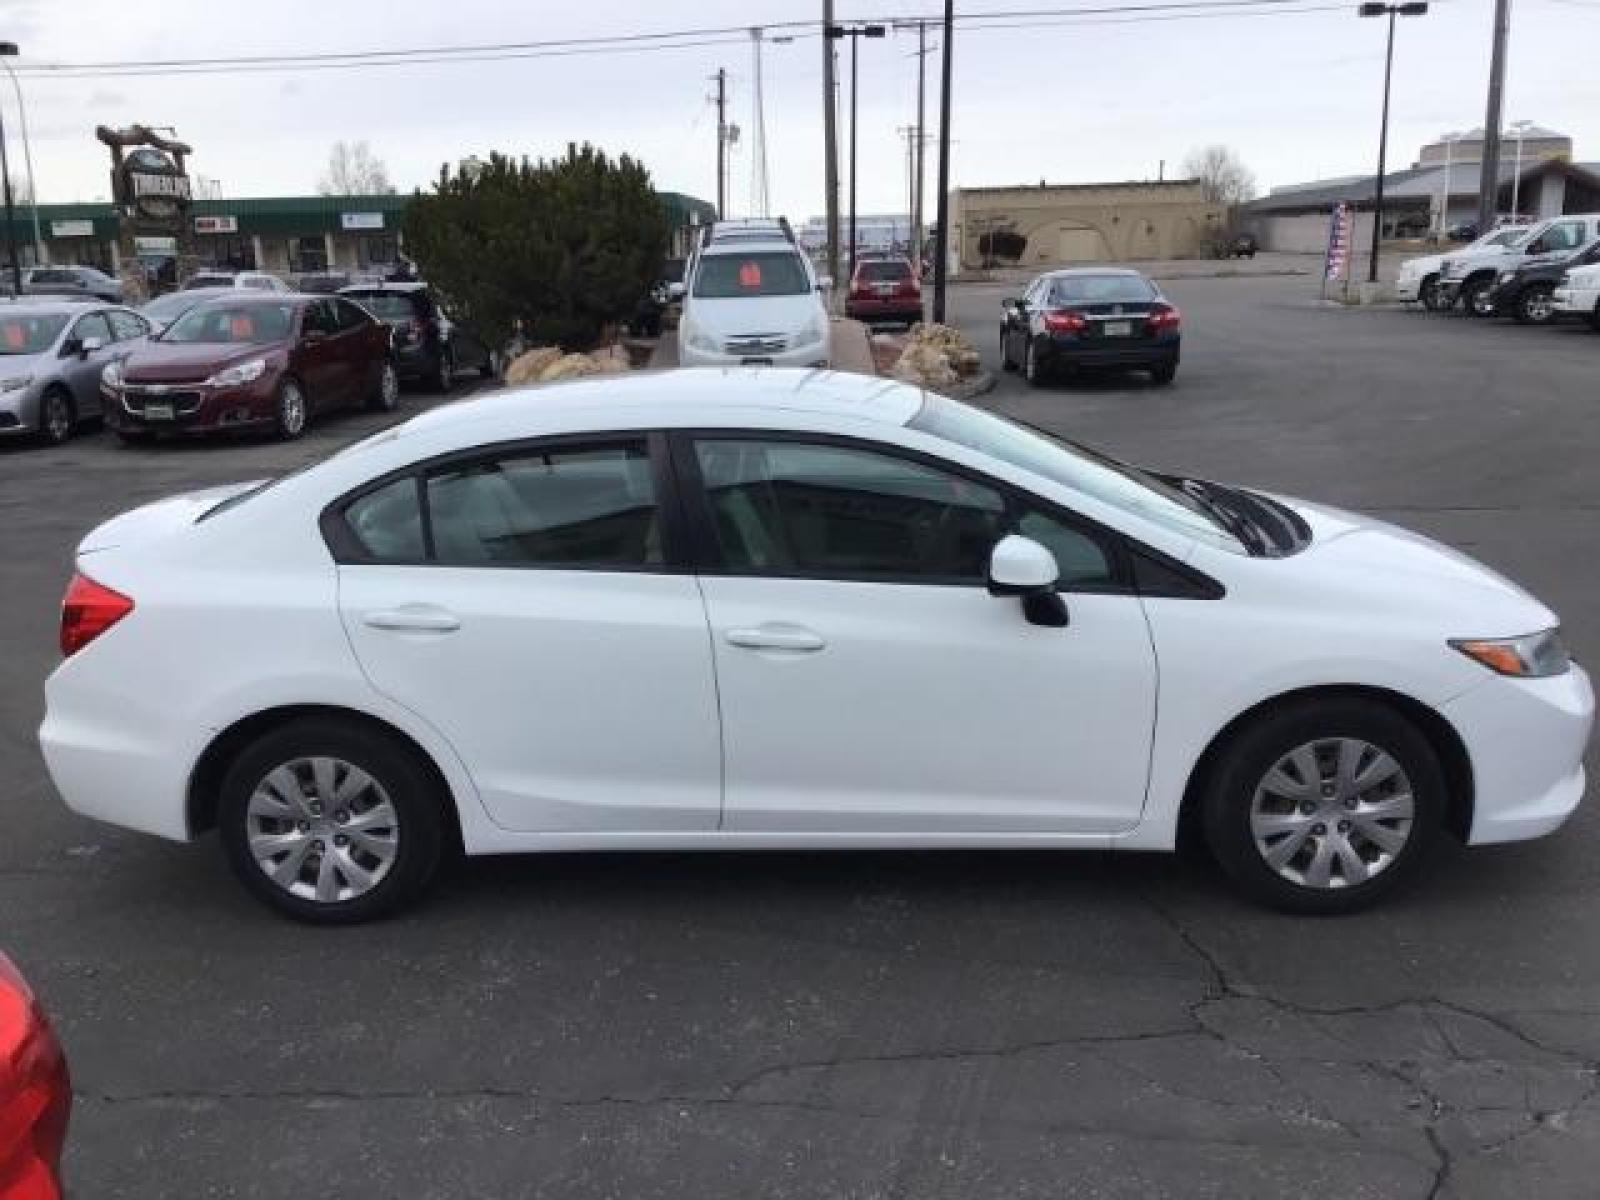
(752, 299)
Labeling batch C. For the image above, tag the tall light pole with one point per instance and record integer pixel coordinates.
(1489, 161)
(830, 140)
(855, 33)
(1413, 8)
(1520, 128)
(27, 157)
(9, 49)
(943, 199)
(1449, 140)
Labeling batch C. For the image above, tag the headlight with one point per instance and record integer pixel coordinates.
(16, 383)
(702, 341)
(1531, 656)
(112, 375)
(247, 372)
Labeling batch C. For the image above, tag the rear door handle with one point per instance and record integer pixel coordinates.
(413, 619)
(776, 637)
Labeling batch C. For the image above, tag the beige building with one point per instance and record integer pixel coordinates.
(1052, 224)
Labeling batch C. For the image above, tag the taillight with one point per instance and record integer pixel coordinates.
(35, 1095)
(1065, 322)
(1163, 317)
(909, 287)
(87, 611)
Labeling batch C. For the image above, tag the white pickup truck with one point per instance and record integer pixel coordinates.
(1578, 295)
(1419, 277)
(1468, 276)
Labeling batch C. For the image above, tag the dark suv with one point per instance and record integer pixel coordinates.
(427, 343)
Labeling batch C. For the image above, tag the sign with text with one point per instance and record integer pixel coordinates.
(367, 220)
(155, 247)
(1339, 231)
(71, 228)
(216, 224)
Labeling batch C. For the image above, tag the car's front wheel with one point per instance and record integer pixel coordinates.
(56, 416)
(1428, 293)
(290, 412)
(331, 822)
(1477, 297)
(1324, 806)
(1536, 305)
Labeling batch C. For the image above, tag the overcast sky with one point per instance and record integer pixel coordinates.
(1297, 95)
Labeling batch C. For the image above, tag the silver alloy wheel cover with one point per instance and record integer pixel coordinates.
(389, 386)
(322, 829)
(292, 408)
(1332, 813)
(1539, 305)
(57, 417)
(1482, 305)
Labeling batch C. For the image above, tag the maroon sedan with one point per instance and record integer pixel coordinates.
(252, 362)
(35, 1094)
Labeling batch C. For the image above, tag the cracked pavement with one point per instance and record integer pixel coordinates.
(911, 1025)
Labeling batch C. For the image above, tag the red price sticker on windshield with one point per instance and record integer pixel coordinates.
(750, 275)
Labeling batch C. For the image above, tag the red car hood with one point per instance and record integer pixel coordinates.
(188, 362)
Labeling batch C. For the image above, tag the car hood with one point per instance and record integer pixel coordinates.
(1385, 568)
(1425, 264)
(738, 315)
(180, 362)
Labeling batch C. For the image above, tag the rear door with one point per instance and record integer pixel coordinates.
(362, 344)
(531, 605)
(318, 360)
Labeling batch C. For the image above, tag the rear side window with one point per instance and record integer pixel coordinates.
(389, 306)
(388, 522)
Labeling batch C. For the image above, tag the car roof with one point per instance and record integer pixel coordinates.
(40, 306)
(411, 285)
(691, 396)
(748, 243)
(1079, 272)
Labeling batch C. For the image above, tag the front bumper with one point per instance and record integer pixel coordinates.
(1408, 288)
(1576, 302)
(196, 408)
(1526, 740)
(812, 354)
(19, 412)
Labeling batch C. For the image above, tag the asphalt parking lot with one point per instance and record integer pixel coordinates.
(870, 1025)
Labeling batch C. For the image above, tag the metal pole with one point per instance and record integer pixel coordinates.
(1383, 154)
(922, 140)
(1516, 180)
(943, 199)
(1444, 200)
(722, 144)
(11, 228)
(27, 158)
(855, 40)
(1489, 163)
(830, 138)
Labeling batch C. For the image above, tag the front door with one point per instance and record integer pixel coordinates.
(870, 683)
(82, 369)
(541, 627)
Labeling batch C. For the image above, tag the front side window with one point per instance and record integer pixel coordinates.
(580, 506)
(775, 273)
(92, 326)
(125, 326)
(800, 508)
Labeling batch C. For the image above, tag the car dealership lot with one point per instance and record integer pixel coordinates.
(870, 1024)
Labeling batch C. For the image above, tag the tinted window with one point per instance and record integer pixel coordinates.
(801, 508)
(319, 317)
(241, 323)
(388, 522)
(125, 326)
(590, 506)
(778, 273)
(49, 276)
(350, 317)
(165, 308)
(92, 326)
(888, 271)
(29, 335)
(389, 306)
(1080, 556)
(1101, 289)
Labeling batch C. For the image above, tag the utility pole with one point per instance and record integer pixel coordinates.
(1489, 165)
(722, 143)
(922, 138)
(760, 200)
(941, 248)
(830, 138)
(1376, 8)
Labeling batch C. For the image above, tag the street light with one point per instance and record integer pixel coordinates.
(1414, 8)
(1449, 140)
(8, 49)
(854, 33)
(1520, 128)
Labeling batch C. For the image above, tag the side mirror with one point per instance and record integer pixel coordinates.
(89, 345)
(675, 291)
(1021, 567)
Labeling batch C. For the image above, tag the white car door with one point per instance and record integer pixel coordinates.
(524, 603)
(869, 681)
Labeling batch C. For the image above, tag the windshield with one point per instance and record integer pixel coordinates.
(164, 308)
(721, 276)
(30, 335)
(1094, 474)
(386, 306)
(1101, 289)
(248, 324)
(1507, 237)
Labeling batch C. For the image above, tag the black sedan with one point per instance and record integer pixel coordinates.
(1524, 291)
(1090, 317)
(428, 345)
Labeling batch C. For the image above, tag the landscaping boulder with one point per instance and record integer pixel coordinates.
(529, 366)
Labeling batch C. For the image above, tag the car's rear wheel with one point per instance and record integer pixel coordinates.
(1164, 374)
(444, 372)
(1428, 293)
(1324, 806)
(1005, 354)
(1476, 297)
(290, 413)
(331, 822)
(386, 396)
(1536, 305)
(57, 419)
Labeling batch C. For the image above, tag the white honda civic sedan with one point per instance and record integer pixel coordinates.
(778, 609)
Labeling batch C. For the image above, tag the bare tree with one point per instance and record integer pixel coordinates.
(353, 170)
(1222, 174)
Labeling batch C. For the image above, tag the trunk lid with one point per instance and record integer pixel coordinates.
(160, 519)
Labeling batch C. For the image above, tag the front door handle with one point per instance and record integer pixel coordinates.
(776, 637)
(413, 619)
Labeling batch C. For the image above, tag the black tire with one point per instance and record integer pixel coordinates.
(411, 789)
(1594, 319)
(1253, 752)
(1032, 369)
(1475, 297)
(1005, 354)
(444, 372)
(1164, 374)
(1428, 293)
(58, 418)
(291, 411)
(1536, 305)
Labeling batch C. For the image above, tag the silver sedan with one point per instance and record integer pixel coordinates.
(51, 356)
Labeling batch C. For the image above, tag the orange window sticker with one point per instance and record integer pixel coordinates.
(15, 338)
(750, 275)
(241, 328)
